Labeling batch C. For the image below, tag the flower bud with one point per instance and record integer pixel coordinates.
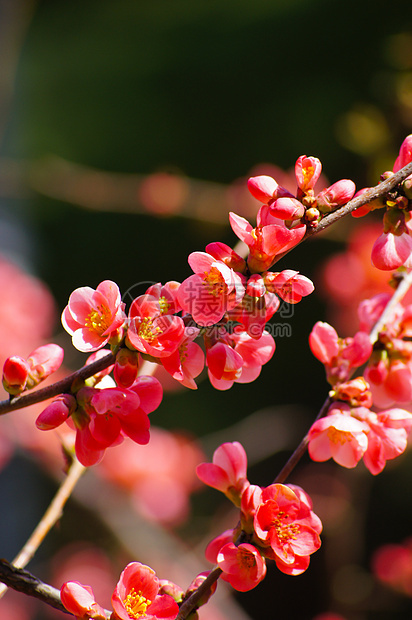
(42, 362)
(57, 412)
(196, 583)
(405, 154)
(287, 209)
(335, 195)
(15, 374)
(125, 368)
(307, 172)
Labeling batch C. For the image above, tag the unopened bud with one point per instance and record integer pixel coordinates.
(307, 172)
(407, 187)
(196, 583)
(287, 209)
(15, 374)
(125, 368)
(42, 362)
(336, 195)
(57, 412)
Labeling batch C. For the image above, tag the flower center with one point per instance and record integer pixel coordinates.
(136, 604)
(98, 320)
(285, 531)
(336, 436)
(147, 331)
(164, 305)
(214, 281)
(307, 173)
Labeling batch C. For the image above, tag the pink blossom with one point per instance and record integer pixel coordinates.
(188, 361)
(137, 595)
(307, 172)
(93, 317)
(391, 251)
(289, 528)
(227, 472)
(79, 600)
(223, 362)
(243, 566)
(390, 381)
(166, 295)
(387, 437)
(289, 285)
(222, 252)
(152, 331)
(338, 436)
(265, 242)
(213, 289)
(405, 154)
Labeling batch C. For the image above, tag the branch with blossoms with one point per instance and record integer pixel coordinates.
(218, 318)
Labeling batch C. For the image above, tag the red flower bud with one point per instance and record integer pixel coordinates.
(57, 412)
(15, 374)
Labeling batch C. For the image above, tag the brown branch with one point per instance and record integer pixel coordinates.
(64, 385)
(23, 581)
(371, 194)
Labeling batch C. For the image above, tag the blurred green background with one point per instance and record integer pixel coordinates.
(205, 91)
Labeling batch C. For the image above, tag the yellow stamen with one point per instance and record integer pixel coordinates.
(147, 331)
(214, 281)
(136, 604)
(336, 436)
(98, 320)
(164, 305)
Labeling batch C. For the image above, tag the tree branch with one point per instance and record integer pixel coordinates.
(64, 385)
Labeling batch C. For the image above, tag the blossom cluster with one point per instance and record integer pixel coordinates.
(351, 430)
(276, 522)
(138, 594)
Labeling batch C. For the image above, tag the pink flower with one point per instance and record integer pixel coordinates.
(265, 241)
(222, 252)
(405, 154)
(243, 566)
(338, 436)
(338, 355)
(213, 289)
(188, 361)
(79, 600)
(227, 472)
(307, 172)
(387, 438)
(289, 285)
(152, 331)
(137, 595)
(93, 317)
(289, 528)
(224, 363)
(391, 251)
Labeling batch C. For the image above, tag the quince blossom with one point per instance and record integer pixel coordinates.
(188, 361)
(287, 527)
(151, 330)
(243, 566)
(227, 472)
(211, 291)
(137, 596)
(94, 317)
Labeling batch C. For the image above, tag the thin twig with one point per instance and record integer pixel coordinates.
(49, 519)
(397, 296)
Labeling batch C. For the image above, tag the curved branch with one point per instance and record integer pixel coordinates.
(64, 385)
